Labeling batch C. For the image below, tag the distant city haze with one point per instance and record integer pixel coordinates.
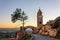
(50, 10)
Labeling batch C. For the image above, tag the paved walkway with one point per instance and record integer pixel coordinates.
(39, 37)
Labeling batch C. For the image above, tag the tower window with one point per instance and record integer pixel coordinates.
(40, 22)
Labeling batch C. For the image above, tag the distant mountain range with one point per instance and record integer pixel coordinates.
(9, 29)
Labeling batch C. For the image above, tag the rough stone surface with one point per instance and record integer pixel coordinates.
(39, 37)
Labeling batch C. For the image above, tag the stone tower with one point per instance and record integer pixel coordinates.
(39, 18)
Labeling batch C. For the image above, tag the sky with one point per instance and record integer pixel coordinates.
(50, 10)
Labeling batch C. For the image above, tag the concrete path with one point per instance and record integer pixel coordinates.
(39, 37)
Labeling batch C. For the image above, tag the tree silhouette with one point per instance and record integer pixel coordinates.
(51, 22)
(18, 14)
(57, 22)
